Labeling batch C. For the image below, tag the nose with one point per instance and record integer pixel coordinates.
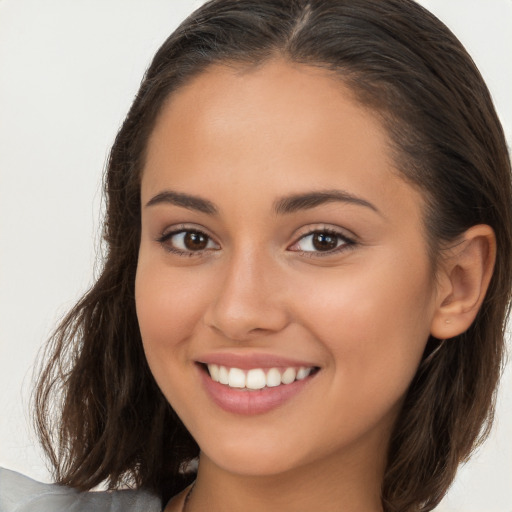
(249, 299)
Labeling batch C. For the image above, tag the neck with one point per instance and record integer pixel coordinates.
(329, 485)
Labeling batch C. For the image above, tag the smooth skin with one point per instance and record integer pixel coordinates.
(228, 263)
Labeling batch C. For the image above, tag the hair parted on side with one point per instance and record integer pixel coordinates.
(99, 412)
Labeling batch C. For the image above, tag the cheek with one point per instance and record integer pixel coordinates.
(169, 307)
(375, 322)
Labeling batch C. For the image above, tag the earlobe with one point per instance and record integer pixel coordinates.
(466, 271)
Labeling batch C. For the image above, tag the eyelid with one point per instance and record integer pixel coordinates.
(348, 237)
(171, 231)
(178, 228)
(330, 228)
(350, 240)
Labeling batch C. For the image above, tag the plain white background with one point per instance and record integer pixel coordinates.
(68, 73)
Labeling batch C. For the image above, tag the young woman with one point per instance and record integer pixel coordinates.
(308, 276)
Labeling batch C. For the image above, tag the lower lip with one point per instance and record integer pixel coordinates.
(251, 402)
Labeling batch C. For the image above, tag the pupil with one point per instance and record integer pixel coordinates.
(195, 241)
(324, 241)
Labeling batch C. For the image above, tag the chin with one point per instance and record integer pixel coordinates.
(252, 458)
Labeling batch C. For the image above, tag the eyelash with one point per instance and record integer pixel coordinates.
(164, 238)
(347, 242)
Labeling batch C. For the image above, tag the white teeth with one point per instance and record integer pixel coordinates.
(273, 378)
(214, 372)
(236, 378)
(256, 378)
(288, 376)
(303, 373)
(223, 375)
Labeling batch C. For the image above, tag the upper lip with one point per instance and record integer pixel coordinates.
(252, 360)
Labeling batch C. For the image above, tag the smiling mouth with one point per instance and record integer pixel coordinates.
(256, 379)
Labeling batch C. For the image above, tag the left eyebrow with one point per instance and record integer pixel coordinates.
(306, 201)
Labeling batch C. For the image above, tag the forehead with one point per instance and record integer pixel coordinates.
(288, 126)
(262, 101)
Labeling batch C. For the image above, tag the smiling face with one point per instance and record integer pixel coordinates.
(280, 251)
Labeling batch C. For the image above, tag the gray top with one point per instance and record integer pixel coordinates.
(19, 493)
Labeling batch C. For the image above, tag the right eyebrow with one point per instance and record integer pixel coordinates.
(185, 201)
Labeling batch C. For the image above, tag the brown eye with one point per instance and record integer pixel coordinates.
(195, 241)
(187, 242)
(324, 241)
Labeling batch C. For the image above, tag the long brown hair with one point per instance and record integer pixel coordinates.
(99, 413)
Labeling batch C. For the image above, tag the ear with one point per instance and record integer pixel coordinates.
(463, 279)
